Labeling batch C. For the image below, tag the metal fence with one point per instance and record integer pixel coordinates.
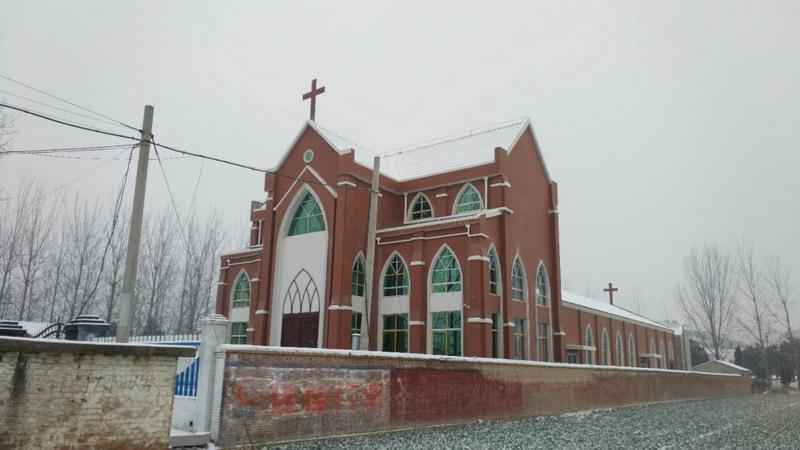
(188, 368)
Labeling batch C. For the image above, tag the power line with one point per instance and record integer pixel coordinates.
(185, 152)
(60, 109)
(92, 148)
(96, 158)
(68, 182)
(69, 124)
(171, 197)
(68, 102)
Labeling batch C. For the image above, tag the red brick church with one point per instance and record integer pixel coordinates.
(466, 256)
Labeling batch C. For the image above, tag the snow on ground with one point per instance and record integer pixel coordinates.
(770, 421)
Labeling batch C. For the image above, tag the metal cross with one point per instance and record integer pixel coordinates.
(610, 289)
(312, 94)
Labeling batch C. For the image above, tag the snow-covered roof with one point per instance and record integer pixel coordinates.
(460, 151)
(571, 299)
(726, 363)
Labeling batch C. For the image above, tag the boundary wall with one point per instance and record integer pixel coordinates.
(66, 394)
(269, 394)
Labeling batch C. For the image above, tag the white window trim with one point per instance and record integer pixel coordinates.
(458, 197)
(410, 208)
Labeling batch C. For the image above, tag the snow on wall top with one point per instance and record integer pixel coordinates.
(460, 151)
(608, 309)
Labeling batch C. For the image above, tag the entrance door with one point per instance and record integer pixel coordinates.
(300, 324)
(300, 330)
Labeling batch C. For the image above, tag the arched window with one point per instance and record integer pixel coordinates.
(494, 273)
(358, 277)
(605, 348)
(671, 351)
(542, 286)
(307, 217)
(588, 355)
(652, 352)
(620, 350)
(468, 200)
(241, 292)
(517, 281)
(663, 352)
(446, 274)
(420, 208)
(631, 350)
(395, 281)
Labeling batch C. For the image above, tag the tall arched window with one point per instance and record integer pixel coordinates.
(494, 273)
(395, 281)
(542, 286)
(446, 275)
(420, 208)
(358, 277)
(620, 347)
(517, 281)
(663, 353)
(605, 348)
(652, 352)
(307, 217)
(241, 292)
(588, 355)
(631, 350)
(468, 200)
(671, 351)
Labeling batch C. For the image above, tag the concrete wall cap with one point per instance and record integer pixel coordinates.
(28, 345)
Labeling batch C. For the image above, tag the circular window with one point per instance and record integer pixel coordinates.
(308, 156)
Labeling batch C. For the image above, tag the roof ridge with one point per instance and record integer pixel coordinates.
(327, 130)
(452, 137)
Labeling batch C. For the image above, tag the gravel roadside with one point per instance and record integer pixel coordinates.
(769, 421)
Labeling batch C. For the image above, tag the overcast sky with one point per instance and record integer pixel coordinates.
(666, 124)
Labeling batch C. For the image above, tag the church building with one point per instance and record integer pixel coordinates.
(466, 256)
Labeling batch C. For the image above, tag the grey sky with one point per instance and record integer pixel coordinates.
(665, 123)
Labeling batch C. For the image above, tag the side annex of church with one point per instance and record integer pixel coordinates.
(466, 257)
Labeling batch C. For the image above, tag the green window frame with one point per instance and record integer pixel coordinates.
(519, 338)
(605, 348)
(446, 275)
(355, 323)
(542, 286)
(307, 217)
(588, 355)
(395, 281)
(620, 350)
(543, 341)
(468, 200)
(631, 350)
(395, 333)
(241, 292)
(446, 333)
(239, 333)
(494, 273)
(358, 277)
(572, 357)
(420, 208)
(517, 281)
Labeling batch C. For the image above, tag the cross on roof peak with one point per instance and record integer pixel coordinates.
(312, 94)
(610, 289)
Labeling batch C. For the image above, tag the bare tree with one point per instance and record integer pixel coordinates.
(34, 238)
(116, 267)
(155, 284)
(706, 295)
(199, 271)
(14, 216)
(82, 265)
(7, 128)
(780, 289)
(757, 314)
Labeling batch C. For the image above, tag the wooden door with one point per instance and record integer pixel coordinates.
(300, 330)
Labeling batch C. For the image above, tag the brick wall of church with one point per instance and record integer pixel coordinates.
(273, 394)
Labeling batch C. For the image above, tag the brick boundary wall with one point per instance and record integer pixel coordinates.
(270, 395)
(63, 394)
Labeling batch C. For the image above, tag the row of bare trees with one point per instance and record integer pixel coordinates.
(731, 296)
(63, 256)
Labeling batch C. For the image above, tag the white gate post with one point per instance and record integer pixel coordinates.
(214, 331)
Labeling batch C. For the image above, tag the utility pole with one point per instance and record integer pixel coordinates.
(127, 295)
(371, 227)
